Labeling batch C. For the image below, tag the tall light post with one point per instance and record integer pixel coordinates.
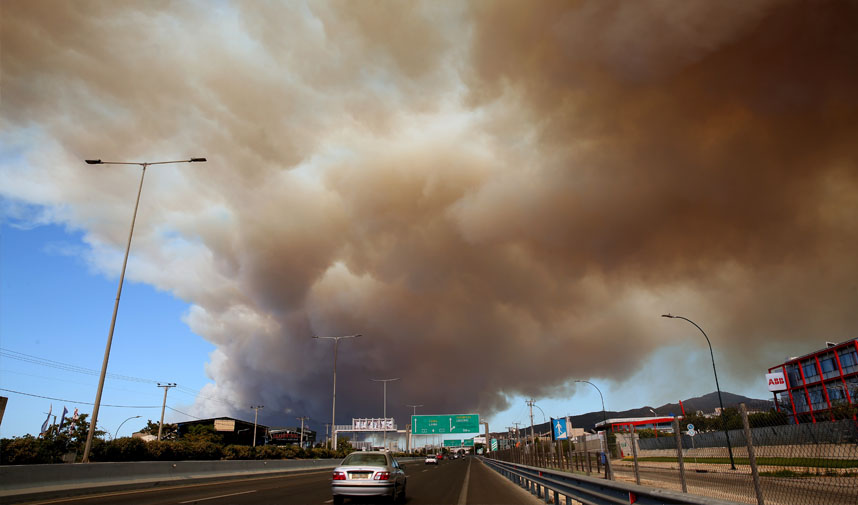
(385, 381)
(120, 425)
(608, 469)
(411, 428)
(717, 387)
(334, 407)
(256, 418)
(89, 436)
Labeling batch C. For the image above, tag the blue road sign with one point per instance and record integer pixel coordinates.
(559, 427)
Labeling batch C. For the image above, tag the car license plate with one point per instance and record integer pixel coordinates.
(362, 475)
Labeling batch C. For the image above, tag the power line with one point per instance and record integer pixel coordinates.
(184, 413)
(80, 403)
(29, 358)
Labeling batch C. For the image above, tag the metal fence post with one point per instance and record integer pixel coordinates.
(678, 435)
(752, 458)
(571, 452)
(609, 472)
(635, 456)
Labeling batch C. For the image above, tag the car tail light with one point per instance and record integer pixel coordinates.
(382, 476)
(339, 476)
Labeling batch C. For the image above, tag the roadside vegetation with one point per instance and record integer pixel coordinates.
(201, 443)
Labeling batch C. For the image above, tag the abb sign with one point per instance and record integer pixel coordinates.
(776, 381)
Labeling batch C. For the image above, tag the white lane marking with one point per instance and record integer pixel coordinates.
(330, 501)
(463, 495)
(216, 497)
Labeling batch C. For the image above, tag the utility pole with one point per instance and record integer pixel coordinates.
(517, 436)
(530, 404)
(164, 406)
(302, 419)
(256, 418)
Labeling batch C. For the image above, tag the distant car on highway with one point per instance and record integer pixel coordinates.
(371, 473)
(431, 460)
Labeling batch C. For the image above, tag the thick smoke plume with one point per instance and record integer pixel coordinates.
(500, 196)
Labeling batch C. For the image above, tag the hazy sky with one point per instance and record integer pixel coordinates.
(501, 196)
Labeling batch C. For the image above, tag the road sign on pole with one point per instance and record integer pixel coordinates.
(440, 424)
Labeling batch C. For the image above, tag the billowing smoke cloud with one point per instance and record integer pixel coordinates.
(500, 196)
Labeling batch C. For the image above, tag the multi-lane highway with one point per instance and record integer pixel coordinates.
(451, 482)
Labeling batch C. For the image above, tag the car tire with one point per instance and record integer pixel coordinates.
(338, 499)
(402, 494)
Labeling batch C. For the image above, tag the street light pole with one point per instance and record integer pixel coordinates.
(385, 381)
(608, 469)
(717, 387)
(120, 425)
(411, 428)
(97, 404)
(334, 407)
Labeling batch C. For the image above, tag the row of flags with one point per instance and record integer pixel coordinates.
(72, 421)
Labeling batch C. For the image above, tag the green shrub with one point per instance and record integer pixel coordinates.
(238, 452)
(26, 450)
(163, 450)
(201, 450)
(124, 449)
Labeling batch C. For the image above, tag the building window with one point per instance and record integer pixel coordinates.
(848, 359)
(852, 385)
(817, 398)
(836, 393)
(829, 366)
(810, 373)
(800, 402)
(794, 376)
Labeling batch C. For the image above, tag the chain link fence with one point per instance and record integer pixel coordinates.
(758, 459)
(766, 459)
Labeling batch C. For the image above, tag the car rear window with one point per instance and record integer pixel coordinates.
(356, 459)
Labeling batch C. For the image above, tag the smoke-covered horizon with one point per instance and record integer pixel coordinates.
(500, 196)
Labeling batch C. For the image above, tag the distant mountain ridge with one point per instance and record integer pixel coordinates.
(706, 403)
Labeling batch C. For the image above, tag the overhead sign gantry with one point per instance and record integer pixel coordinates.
(442, 424)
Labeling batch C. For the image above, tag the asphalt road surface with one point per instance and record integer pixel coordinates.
(451, 482)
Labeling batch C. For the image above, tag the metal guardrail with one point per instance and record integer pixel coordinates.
(544, 483)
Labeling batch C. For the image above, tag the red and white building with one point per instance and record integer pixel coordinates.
(810, 386)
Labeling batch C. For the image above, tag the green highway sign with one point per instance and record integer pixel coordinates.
(452, 443)
(469, 442)
(455, 423)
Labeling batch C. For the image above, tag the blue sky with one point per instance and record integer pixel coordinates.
(54, 307)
